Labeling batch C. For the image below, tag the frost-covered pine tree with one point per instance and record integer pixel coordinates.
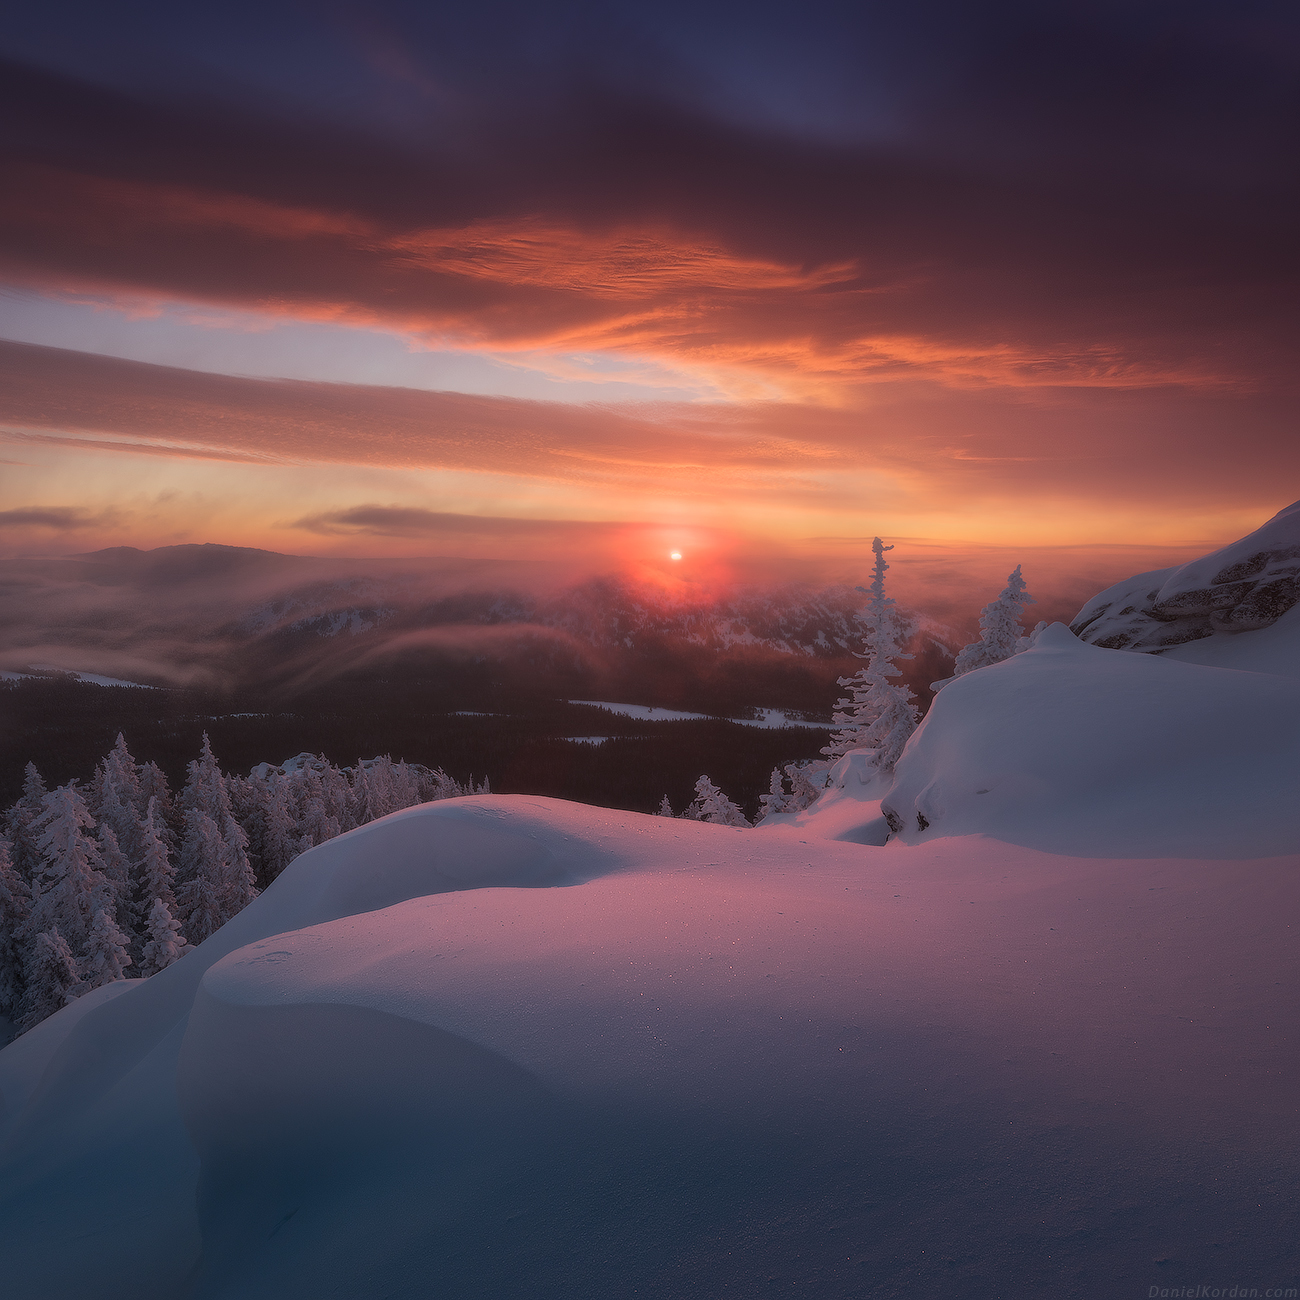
(153, 785)
(774, 800)
(879, 714)
(105, 957)
(165, 943)
(665, 808)
(15, 907)
(240, 883)
(1001, 629)
(205, 786)
(117, 871)
(155, 874)
(51, 977)
(201, 894)
(70, 886)
(711, 805)
(116, 797)
(317, 820)
(18, 824)
(280, 830)
(807, 784)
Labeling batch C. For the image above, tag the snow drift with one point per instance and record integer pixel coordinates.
(1075, 749)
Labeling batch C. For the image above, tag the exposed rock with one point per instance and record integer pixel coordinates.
(1243, 587)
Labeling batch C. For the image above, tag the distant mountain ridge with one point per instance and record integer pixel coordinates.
(242, 614)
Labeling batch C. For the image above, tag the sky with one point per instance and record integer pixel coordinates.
(754, 280)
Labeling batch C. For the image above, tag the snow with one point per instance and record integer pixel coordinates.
(1045, 1044)
(768, 719)
(1070, 748)
(586, 740)
(92, 679)
(643, 712)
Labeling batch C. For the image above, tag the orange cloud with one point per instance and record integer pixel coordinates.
(528, 287)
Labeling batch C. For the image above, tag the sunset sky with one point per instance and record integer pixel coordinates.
(612, 280)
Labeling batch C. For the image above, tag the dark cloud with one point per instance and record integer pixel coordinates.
(58, 518)
(1090, 196)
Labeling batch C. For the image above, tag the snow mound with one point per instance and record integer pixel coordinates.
(715, 1062)
(1074, 749)
(1244, 587)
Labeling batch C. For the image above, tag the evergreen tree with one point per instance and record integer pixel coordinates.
(15, 908)
(1000, 621)
(51, 977)
(316, 820)
(280, 831)
(712, 805)
(70, 886)
(878, 715)
(665, 808)
(237, 871)
(116, 797)
(18, 824)
(807, 783)
(165, 943)
(201, 895)
(371, 790)
(205, 788)
(775, 798)
(105, 958)
(153, 785)
(155, 874)
(116, 868)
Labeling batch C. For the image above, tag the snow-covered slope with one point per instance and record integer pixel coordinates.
(509, 1046)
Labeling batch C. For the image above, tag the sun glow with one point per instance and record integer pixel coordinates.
(676, 555)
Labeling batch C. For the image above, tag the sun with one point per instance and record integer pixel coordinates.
(676, 555)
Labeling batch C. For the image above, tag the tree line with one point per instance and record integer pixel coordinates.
(123, 875)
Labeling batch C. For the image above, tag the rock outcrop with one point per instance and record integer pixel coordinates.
(1241, 588)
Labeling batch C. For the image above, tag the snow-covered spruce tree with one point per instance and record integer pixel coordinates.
(807, 784)
(117, 871)
(153, 785)
(665, 808)
(711, 805)
(105, 957)
(165, 943)
(18, 824)
(15, 907)
(201, 892)
(372, 796)
(316, 820)
(207, 792)
(878, 714)
(70, 885)
(280, 826)
(51, 977)
(116, 797)
(155, 875)
(1000, 621)
(205, 787)
(774, 800)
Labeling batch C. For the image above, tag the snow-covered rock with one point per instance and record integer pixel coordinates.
(1243, 587)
